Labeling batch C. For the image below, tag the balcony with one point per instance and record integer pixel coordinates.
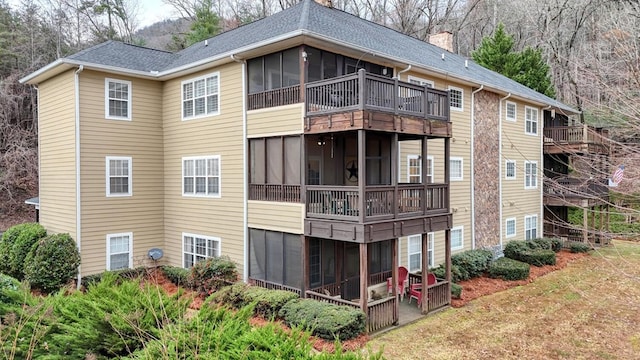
(573, 191)
(575, 139)
(367, 101)
(377, 212)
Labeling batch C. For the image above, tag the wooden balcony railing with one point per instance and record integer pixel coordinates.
(274, 192)
(365, 91)
(438, 292)
(378, 202)
(567, 187)
(276, 97)
(583, 134)
(274, 286)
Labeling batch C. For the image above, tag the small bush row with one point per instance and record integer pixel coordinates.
(128, 274)
(509, 269)
(456, 291)
(15, 245)
(324, 320)
(212, 274)
(577, 247)
(530, 252)
(472, 263)
(267, 303)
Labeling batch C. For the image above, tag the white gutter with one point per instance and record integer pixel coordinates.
(245, 191)
(500, 162)
(403, 71)
(473, 176)
(541, 177)
(78, 203)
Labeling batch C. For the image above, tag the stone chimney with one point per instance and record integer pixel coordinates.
(443, 40)
(326, 3)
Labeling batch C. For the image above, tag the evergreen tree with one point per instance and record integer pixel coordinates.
(206, 24)
(526, 67)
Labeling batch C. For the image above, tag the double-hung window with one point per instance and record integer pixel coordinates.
(456, 98)
(420, 81)
(456, 169)
(117, 99)
(201, 176)
(196, 248)
(530, 174)
(510, 169)
(457, 238)
(415, 251)
(530, 227)
(119, 251)
(414, 167)
(201, 96)
(510, 227)
(118, 175)
(530, 120)
(510, 111)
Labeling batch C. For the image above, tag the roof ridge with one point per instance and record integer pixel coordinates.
(304, 17)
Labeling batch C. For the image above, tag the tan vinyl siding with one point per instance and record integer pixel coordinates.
(140, 139)
(280, 120)
(276, 216)
(211, 135)
(520, 147)
(56, 113)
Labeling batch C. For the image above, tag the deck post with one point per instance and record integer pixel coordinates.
(361, 89)
(447, 255)
(305, 265)
(362, 148)
(394, 174)
(303, 173)
(424, 301)
(424, 166)
(585, 225)
(394, 279)
(364, 277)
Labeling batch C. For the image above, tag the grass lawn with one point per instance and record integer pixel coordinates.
(589, 310)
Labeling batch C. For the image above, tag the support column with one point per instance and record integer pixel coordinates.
(592, 233)
(447, 255)
(362, 178)
(364, 277)
(424, 166)
(305, 265)
(424, 302)
(394, 280)
(585, 225)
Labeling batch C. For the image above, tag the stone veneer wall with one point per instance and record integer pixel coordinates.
(486, 169)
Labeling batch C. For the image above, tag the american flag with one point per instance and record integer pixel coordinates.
(617, 175)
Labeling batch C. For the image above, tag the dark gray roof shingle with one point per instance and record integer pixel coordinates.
(311, 17)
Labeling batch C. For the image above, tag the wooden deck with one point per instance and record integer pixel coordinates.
(568, 191)
(576, 139)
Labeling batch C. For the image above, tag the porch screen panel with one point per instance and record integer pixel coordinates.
(292, 260)
(314, 64)
(256, 75)
(275, 257)
(256, 149)
(272, 71)
(290, 67)
(257, 255)
(330, 66)
(292, 160)
(274, 161)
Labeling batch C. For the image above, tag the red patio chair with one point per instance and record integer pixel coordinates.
(403, 280)
(415, 290)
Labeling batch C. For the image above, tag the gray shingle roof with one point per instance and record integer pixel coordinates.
(313, 18)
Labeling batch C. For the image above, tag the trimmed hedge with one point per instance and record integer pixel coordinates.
(210, 275)
(266, 303)
(324, 320)
(531, 252)
(577, 247)
(8, 240)
(472, 263)
(509, 269)
(29, 234)
(52, 262)
(456, 273)
(456, 291)
(128, 274)
(177, 275)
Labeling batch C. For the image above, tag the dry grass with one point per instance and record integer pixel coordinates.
(589, 310)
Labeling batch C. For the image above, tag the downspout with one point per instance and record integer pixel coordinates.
(500, 163)
(78, 203)
(245, 192)
(473, 176)
(541, 178)
(403, 71)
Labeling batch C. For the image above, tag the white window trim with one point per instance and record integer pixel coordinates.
(107, 115)
(506, 227)
(108, 176)
(537, 121)
(506, 172)
(214, 238)
(193, 80)
(461, 177)
(527, 217)
(409, 158)
(461, 228)
(461, 108)
(421, 80)
(525, 175)
(430, 247)
(109, 237)
(515, 111)
(194, 158)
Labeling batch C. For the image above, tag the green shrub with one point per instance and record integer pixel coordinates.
(456, 291)
(267, 303)
(52, 262)
(120, 275)
(509, 269)
(577, 247)
(457, 273)
(325, 320)
(177, 275)
(11, 296)
(556, 244)
(6, 246)
(531, 252)
(472, 263)
(212, 274)
(540, 243)
(538, 257)
(30, 233)
(514, 248)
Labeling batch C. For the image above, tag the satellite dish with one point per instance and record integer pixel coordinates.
(155, 253)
